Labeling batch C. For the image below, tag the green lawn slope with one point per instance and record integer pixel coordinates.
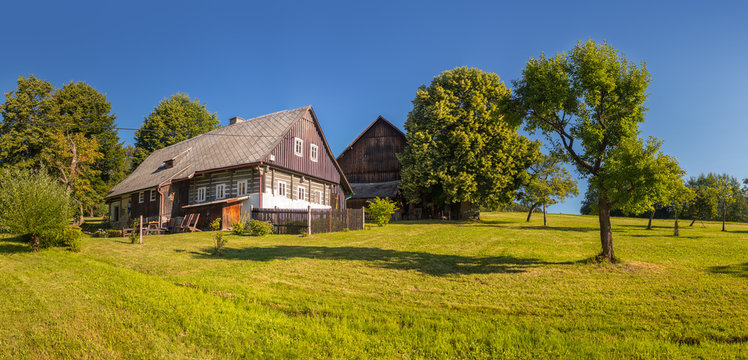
(499, 288)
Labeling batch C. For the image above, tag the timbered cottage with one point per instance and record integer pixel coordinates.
(371, 165)
(279, 160)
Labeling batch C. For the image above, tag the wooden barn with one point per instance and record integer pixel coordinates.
(370, 164)
(280, 160)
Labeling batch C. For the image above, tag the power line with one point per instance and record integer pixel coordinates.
(133, 129)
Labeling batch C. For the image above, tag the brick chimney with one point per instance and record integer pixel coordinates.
(235, 120)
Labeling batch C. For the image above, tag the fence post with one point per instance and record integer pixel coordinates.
(141, 230)
(363, 219)
(251, 209)
(330, 219)
(309, 219)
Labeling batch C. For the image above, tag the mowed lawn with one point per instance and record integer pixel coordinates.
(499, 288)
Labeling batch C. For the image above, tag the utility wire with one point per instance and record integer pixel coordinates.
(133, 129)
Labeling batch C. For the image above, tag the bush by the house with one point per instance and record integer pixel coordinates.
(100, 233)
(238, 228)
(135, 234)
(71, 237)
(215, 224)
(380, 210)
(32, 203)
(259, 228)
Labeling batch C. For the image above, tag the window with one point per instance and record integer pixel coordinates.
(313, 152)
(153, 195)
(241, 188)
(318, 197)
(141, 197)
(298, 147)
(302, 193)
(281, 188)
(201, 192)
(220, 191)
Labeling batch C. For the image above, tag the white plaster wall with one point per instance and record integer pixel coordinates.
(270, 201)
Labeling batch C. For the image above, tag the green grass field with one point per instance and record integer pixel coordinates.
(500, 288)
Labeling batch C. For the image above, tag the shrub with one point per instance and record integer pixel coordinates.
(238, 228)
(33, 203)
(72, 238)
(259, 228)
(380, 210)
(220, 242)
(215, 224)
(101, 233)
(114, 233)
(135, 234)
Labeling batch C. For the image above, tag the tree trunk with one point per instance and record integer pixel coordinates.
(675, 230)
(651, 216)
(724, 215)
(606, 231)
(693, 221)
(545, 221)
(80, 218)
(529, 215)
(35, 242)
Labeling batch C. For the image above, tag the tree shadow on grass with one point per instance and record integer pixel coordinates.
(12, 245)
(427, 263)
(739, 270)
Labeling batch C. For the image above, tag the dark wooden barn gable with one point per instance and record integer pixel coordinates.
(371, 157)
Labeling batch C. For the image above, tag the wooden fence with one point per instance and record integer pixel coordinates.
(312, 221)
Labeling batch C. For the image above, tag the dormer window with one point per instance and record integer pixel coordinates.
(298, 147)
(153, 195)
(201, 193)
(313, 152)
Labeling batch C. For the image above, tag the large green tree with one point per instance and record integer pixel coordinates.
(550, 183)
(69, 132)
(175, 119)
(22, 143)
(589, 103)
(460, 147)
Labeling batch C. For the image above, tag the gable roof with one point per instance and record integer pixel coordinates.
(243, 143)
(379, 119)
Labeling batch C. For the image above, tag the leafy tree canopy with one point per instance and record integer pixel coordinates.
(550, 183)
(175, 119)
(589, 103)
(459, 145)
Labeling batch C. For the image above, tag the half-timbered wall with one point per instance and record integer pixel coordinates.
(228, 178)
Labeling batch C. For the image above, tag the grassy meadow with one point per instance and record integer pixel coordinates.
(498, 288)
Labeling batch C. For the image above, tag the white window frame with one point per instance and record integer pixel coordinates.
(318, 197)
(281, 189)
(220, 194)
(141, 197)
(301, 193)
(153, 195)
(239, 184)
(314, 152)
(202, 193)
(298, 147)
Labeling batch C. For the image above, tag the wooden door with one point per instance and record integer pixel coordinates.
(231, 215)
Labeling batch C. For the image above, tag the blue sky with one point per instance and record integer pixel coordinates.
(355, 60)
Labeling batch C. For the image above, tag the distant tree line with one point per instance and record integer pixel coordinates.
(716, 196)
